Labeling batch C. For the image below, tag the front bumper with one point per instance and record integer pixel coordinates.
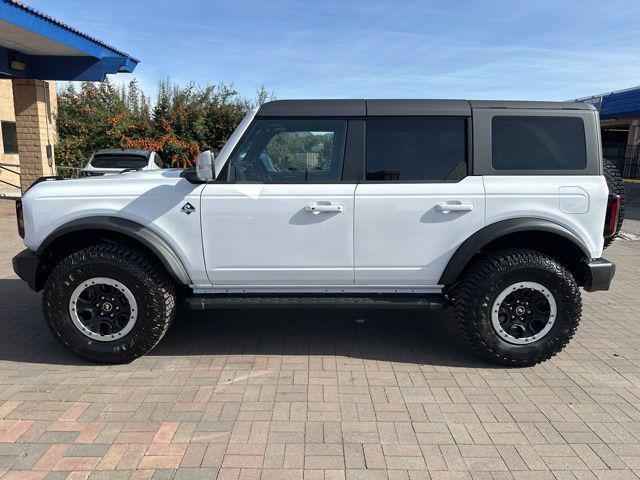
(26, 265)
(600, 272)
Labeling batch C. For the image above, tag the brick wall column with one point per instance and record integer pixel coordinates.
(35, 126)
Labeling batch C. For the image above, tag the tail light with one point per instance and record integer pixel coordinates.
(611, 220)
(20, 217)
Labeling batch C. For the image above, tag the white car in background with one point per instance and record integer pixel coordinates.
(119, 160)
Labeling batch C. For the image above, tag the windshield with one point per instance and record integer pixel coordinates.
(118, 161)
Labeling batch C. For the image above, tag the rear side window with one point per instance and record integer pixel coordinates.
(418, 149)
(538, 143)
(118, 161)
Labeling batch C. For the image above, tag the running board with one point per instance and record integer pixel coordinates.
(248, 301)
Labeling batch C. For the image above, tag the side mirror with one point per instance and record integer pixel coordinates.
(204, 166)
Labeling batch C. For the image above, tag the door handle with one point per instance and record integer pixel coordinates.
(454, 207)
(323, 207)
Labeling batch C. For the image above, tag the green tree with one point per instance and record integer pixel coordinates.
(181, 122)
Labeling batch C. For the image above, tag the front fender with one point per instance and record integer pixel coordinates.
(146, 236)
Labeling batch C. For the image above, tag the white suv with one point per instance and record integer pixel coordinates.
(499, 210)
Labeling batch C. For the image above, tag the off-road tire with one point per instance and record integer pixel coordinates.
(491, 274)
(616, 185)
(152, 288)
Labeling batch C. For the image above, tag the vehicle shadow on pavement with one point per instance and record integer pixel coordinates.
(416, 337)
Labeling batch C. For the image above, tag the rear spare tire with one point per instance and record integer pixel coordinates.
(616, 185)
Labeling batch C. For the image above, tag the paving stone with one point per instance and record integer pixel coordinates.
(196, 473)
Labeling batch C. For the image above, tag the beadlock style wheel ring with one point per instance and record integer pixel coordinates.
(103, 309)
(523, 313)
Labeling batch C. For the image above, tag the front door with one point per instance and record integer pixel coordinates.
(418, 203)
(283, 217)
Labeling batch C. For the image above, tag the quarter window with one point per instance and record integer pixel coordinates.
(538, 143)
(290, 151)
(419, 149)
(9, 137)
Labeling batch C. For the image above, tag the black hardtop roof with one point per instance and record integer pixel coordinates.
(124, 152)
(362, 107)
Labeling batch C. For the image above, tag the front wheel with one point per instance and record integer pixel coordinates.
(517, 307)
(109, 303)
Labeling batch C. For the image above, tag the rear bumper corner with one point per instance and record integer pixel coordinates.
(600, 272)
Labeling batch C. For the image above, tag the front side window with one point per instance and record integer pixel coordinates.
(9, 137)
(416, 149)
(290, 151)
(538, 143)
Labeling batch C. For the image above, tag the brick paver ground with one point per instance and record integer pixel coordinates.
(315, 395)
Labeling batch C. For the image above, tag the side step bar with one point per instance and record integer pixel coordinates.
(247, 301)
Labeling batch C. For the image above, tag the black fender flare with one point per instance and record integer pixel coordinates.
(489, 233)
(146, 236)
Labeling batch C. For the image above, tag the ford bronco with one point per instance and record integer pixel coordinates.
(499, 210)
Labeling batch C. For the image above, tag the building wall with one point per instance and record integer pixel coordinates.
(40, 101)
(7, 114)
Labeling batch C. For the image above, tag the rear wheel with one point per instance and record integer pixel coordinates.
(517, 307)
(109, 303)
(616, 185)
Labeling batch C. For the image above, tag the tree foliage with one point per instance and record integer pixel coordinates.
(179, 124)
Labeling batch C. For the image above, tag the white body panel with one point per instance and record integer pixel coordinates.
(401, 235)
(152, 198)
(263, 235)
(550, 197)
(388, 237)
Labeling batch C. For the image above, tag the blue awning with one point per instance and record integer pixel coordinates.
(34, 45)
(621, 104)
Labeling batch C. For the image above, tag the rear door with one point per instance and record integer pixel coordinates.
(284, 217)
(543, 163)
(418, 202)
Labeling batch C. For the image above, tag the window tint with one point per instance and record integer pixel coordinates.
(290, 151)
(538, 143)
(119, 161)
(416, 148)
(9, 137)
(158, 161)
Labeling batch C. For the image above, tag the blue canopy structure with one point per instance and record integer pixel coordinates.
(621, 103)
(625, 103)
(36, 46)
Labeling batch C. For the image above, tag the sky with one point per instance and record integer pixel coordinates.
(501, 49)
